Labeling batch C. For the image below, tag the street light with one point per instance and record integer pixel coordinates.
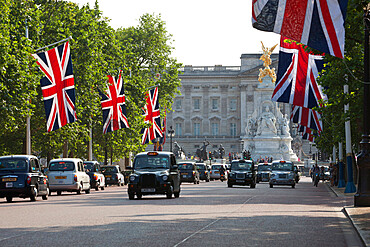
(171, 133)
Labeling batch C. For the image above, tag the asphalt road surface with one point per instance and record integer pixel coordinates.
(208, 214)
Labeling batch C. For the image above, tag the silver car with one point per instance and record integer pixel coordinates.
(282, 173)
(68, 175)
(215, 171)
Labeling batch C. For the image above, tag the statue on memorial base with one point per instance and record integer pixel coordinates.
(267, 122)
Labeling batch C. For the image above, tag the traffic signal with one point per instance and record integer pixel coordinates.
(245, 155)
(210, 155)
(249, 155)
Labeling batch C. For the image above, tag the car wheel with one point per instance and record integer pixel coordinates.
(9, 199)
(45, 197)
(87, 191)
(59, 193)
(102, 188)
(34, 194)
(293, 186)
(258, 181)
(253, 185)
(198, 181)
(139, 195)
(97, 187)
(271, 186)
(131, 196)
(176, 194)
(229, 185)
(170, 192)
(207, 180)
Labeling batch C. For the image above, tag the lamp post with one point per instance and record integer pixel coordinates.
(171, 133)
(362, 197)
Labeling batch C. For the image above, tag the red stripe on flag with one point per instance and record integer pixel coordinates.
(294, 16)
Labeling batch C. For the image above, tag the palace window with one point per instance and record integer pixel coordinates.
(233, 129)
(196, 129)
(178, 129)
(178, 104)
(214, 104)
(214, 129)
(233, 104)
(196, 104)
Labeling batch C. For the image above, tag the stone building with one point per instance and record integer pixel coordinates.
(214, 104)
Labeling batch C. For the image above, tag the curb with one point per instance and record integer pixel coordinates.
(358, 230)
(332, 190)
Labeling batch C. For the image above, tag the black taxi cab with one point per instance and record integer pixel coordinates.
(21, 176)
(154, 173)
(242, 172)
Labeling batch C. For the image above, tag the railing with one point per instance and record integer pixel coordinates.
(216, 68)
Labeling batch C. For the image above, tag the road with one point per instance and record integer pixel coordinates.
(208, 214)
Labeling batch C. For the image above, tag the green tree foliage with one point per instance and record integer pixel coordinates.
(339, 72)
(97, 50)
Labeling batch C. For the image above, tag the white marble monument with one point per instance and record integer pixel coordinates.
(267, 131)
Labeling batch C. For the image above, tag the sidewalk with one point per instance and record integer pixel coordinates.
(359, 216)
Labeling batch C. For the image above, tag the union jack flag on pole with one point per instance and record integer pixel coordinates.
(152, 116)
(57, 86)
(306, 117)
(113, 104)
(316, 23)
(307, 133)
(296, 79)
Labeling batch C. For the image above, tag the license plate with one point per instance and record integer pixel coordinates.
(217, 172)
(60, 177)
(148, 190)
(9, 179)
(240, 181)
(108, 178)
(9, 185)
(184, 176)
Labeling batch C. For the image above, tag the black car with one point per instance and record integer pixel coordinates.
(97, 179)
(242, 172)
(263, 172)
(154, 173)
(113, 175)
(203, 172)
(188, 172)
(21, 176)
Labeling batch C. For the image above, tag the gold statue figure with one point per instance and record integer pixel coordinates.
(266, 63)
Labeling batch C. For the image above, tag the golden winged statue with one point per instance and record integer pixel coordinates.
(266, 63)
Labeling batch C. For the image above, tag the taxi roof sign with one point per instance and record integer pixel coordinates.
(152, 153)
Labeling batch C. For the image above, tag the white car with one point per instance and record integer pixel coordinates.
(282, 173)
(215, 171)
(68, 175)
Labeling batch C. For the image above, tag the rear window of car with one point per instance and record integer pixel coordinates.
(216, 167)
(89, 167)
(264, 168)
(281, 166)
(186, 167)
(112, 169)
(241, 166)
(201, 167)
(13, 164)
(62, 166)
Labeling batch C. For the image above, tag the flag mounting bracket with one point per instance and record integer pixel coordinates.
(60, 41)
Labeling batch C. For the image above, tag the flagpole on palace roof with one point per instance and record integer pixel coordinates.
(60, 41)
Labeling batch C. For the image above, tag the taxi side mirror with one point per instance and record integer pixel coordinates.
(174, 167)
(129, 168)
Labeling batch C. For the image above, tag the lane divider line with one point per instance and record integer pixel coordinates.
(212, 223)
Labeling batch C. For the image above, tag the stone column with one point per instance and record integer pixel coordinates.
(205, 129)
(243, 108)
(224, 128)
(187, 108)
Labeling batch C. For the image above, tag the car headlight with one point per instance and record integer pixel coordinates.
(273, 175)
(132, 178)
(165, 177)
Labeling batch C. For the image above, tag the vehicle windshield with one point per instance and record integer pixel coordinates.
(282, 166)
(61, 166)
(186, 167)
(89, 167)
(152, 162)
(241, 166)
(201, 167)
(13, 164)
(264, 168)
(110, 169)
(216, 167)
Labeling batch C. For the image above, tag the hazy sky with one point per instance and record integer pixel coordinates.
(205, 32)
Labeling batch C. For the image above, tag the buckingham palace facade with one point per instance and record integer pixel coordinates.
(214, 104)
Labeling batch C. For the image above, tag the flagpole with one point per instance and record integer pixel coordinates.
(28, 120)
(362, 197)
(60, 41)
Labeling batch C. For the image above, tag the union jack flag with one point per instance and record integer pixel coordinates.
(57, 86)
(316, 23)
(306, 117)
(152, 116)
(114, 106)
(296, 79)
(307, 133)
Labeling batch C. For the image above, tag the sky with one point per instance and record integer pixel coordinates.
(205, 32)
